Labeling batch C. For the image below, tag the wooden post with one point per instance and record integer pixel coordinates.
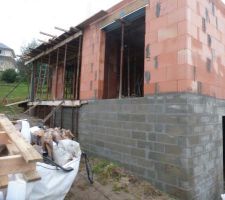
(56, 74)
(33, 82)
(128, 72)
(41, 78)
(49, 62)
(121, 59)
(64, 70)
(78, 69)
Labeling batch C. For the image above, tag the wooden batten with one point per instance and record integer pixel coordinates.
(14, 164)
(27, 151)
(21, 158)
(3, 182)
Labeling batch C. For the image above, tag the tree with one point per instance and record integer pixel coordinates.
(24, 71)
(9, 76)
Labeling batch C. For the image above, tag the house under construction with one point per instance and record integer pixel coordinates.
(143, 84)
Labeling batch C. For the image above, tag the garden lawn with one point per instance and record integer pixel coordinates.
(20, 93)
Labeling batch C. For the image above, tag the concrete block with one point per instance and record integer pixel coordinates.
(167, 139)
(158, 147)
(178, 109)
(137, 118)
(177, 130)
(159, 128)
(151, 136)
(139, 135)
(138, 152)
(145, 145)
(173, 149)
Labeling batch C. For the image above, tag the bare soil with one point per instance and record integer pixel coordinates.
(128, 187)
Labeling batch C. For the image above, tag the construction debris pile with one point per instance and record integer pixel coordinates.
(56, 143)
(57, 162)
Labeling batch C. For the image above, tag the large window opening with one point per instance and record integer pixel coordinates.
(124, 57)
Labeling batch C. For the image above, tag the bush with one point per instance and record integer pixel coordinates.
(9, 76)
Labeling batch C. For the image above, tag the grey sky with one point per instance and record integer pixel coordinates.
(22, 20)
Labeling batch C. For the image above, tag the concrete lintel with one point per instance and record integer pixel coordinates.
(67, 103)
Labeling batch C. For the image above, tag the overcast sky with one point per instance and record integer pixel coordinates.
(22, 20)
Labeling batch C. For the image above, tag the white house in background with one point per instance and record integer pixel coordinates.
(7, 58)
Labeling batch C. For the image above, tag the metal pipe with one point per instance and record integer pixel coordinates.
(121, 59)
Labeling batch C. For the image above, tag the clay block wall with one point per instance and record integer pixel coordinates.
(166, 37)
(184, 45)
(92, 70)
(186, 40)
(93, 53)
(206, 40)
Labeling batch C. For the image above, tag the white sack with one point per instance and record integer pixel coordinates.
(54, 184)
(25, 131)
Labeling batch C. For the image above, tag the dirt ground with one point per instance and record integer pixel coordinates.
(127, 187)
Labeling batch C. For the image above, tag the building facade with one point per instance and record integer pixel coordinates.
(149, 78)
(7, 58)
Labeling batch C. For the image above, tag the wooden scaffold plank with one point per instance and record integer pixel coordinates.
(27, 151)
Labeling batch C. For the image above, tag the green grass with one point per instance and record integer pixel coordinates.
(20, 93)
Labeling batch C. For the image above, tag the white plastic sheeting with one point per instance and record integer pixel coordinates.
(54, 183)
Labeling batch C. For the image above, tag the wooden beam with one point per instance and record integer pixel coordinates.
(64, 70)
(33, 106)
(4, 138)
(16, 103)
(61, 29)
(26, 149)
(56, 75)
(12, 149)
(78, 69)
(49, 63)
(47, 34)
(69, 39)
(31, 176)
(42, 41)
(121, 59)
(66, 103)
(3, 182)
(14, 164)
(53, 111)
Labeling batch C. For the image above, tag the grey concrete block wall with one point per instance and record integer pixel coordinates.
(69, 120)
(173, 140)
